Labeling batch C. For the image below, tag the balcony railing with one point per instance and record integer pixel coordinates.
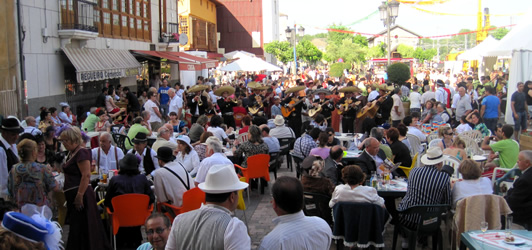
(77, 26)
(168, 36)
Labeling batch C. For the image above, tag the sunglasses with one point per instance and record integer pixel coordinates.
(331, 134)
(158, 230)
(449, 133)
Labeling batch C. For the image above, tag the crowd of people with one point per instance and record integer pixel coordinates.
(44, 160)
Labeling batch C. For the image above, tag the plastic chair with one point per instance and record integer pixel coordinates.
(415, 143)
(192, 200)
(242, 137)
(238, 119)
(434, 143)
(120, 141)
(454, 163)
(432, 136)
(471, 145)
(318, 205)
(407, 170)
(130, 210)
(275, 163)
(430, 217)
(473, 134)
(298, 160)
(507, 179)
(95, 142)
(286, 146)
(115, 129)
(258, 167)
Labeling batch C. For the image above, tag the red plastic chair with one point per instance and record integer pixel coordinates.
(258, 167)
(192, 200)
(130, 210)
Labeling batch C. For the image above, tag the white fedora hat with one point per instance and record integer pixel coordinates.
(221, 179)
(279, 120)
(433, 156)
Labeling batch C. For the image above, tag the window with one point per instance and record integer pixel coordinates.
(125, 18)
(76, 14)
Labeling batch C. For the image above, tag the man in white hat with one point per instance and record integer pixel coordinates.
(214, 155)
(66, 114)
(213, 224)
(280, 130)
(427, 185)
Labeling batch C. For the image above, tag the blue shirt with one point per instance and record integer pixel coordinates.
(492, 106)
(163, 92)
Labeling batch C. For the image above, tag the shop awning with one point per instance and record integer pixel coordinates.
(102, 64)
(205, 62)
(182, 58)
(166, 55)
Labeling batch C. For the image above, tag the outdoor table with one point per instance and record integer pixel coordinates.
(494, 239)
(480, 159)
(390, 192)
(350, 156)
(346, 139)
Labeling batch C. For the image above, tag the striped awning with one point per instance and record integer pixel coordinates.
(102, 64)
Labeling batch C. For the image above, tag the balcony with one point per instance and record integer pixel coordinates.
(167, 36)
(77, 26)
(78, 20)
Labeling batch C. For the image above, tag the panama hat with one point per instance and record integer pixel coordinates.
(11, 124)
(230, 90)
(165, 154)
(221, 179)
(197, 88)
(294, 89)
(433, 156)
(64, 104)
(279, 120)
(263, 87)
(349, 89)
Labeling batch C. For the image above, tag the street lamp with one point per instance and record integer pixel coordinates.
(389, 11)
(293, 39)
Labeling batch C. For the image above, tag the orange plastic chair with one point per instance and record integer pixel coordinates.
(192, 200)
(130, 210)
(258, 167)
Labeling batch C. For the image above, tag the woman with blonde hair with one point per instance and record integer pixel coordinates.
(29, 181)
(457, 149)
(446, 135)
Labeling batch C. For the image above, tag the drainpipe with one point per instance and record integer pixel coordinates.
(23, 107)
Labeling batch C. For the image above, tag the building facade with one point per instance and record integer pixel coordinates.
(398, 35)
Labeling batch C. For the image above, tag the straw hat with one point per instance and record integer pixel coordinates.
(349, 89)
(294, 89)
(221, 179)
(322, 91)
(279, 120)
(186, 140)
(265, 87)
(197, 88)
(385, 87)
(253, 85)
(433, 156)
(230, 90)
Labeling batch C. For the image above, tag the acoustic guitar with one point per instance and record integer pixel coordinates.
(286, 111)
(316, 110)
(370, 110)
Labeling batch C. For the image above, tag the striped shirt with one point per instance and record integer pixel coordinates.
(426, 186)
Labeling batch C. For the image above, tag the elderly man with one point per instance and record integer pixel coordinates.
(272, 142)
(157, 228)
(172, 179)
(428, 95)
(163, 139)
(214, 155)
(106, 156)
(519, 197)
(8, 150)
(440, 94)
(306, 142)
(312, 232)
(441, 114)
(333, 165)
(213, 223)
(463, 104)
(371, 158)
(280, 130)
(148, 157)
(507, 148)
(176, 103)
(31, 126)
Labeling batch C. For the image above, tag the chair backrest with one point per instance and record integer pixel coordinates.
(95, 142)
(285, 145)
(432, 137)
(473, 134)
(130, 210)
(317, 205)
(360, 223)
(434, 143)
(407, 170)
(454, 163)
(274, 160)
(415, 143)
(120, 140)
(116, 128)
(243, 137)
(471, 144)
(258, 166)
(429, 217)
(192, 200)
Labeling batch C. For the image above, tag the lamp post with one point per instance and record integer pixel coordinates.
(389, 10)
(293, 39)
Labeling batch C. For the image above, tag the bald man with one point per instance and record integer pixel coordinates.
(372, 156)
(333, 165)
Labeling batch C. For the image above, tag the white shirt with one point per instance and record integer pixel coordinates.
(466, 188)
(207, 163)
(149, 106)
(282, 132)
(110, 160)
(65, 118)
(427, 96)
(463, 128)
(168, 187)
(141, 164)
(32, 130)
(415, 100)
(297, 231)
(400, 113)
(360, 194)
(175, 104)
(214, 98)
(441, 95)
(235, 237)
(218, 132)
(415, 131)
(3, 165)
(190, 161)
(372, 95)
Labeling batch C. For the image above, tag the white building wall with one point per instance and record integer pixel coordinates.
(283, 24)
(404, 37)
(270, 24)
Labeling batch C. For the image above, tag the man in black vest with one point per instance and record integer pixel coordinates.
(148, 156)
(8, 150)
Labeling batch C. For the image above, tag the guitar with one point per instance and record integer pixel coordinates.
(258, 106)
(370, 110)
(316, 110)
(286, 111)
(347, 106)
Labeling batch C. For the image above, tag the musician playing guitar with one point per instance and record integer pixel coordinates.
(327, 106)
(363, 101)
(293, 102)
(348, 108)
(385, 103)
(253, 100)
(226, 104)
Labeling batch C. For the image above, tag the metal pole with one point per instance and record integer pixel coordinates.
(388, 22)
(295, 42)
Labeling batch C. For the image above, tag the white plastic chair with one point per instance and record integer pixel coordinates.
(243, 137)
(434, 143)
(471, 144)
(432, 136)
(415, 144)
(473, 134)
(455, 163)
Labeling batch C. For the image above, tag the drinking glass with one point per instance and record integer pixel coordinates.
(483, 228)
(508, 231)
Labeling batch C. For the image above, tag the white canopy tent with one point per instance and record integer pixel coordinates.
(517, 44)
(477, 52)
(250, 64)
(238, 54)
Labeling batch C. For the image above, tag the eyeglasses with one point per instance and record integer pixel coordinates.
(449, 134)
(331, 134)
(158, 230)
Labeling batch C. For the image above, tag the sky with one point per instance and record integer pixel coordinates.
(315, 15)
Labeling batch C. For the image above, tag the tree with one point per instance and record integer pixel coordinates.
(337, 69)
(361, 40)
(422, 54)
(377, 51)
(499, 33)
(338, 37)
(350, 52)
(398, 73)
(405, 50)
(283, 51)
(306, 51)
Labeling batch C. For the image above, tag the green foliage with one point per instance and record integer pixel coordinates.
(405, 50)
(361, 40)
(306, 51)
(337, 69)
(350, 52)
(378, 51)
(337, 38)
(283, 51)
(499, 33)
(423, 55)
(398, 73)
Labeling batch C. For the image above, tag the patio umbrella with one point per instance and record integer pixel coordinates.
(250, 64)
